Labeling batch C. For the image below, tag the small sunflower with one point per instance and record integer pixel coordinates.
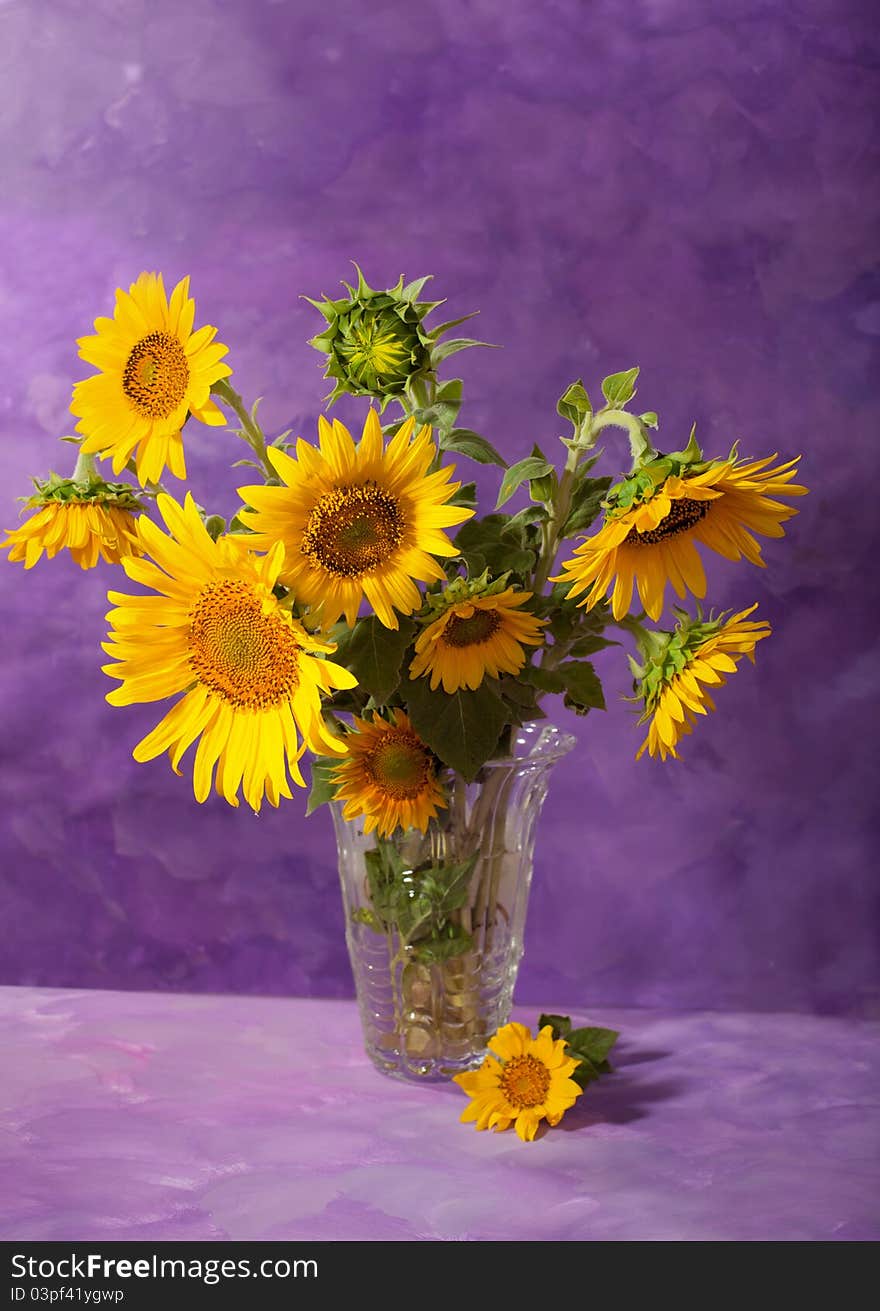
(154, 373)
(680, 666)
(651, 529)
(389, 776)
(529, 1082)
(91, 519)
(357, 521)
(477, 632)
(250, 676)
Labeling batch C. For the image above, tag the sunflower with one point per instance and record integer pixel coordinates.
(389, 776)
(154, 372)
(530, 1082)
(357, 521)
(92, 520)
(680, 668)
(654, 541)
(476, 633)
(249, 674)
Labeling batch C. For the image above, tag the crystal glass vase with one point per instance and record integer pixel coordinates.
(434, 921)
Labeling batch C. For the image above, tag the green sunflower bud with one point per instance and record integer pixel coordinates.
(376, 342)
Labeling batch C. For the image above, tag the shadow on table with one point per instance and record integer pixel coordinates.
(622, 1098)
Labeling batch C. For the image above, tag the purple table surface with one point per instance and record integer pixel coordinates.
(154, 1117)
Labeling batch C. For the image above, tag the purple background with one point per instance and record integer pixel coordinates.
(678, 185)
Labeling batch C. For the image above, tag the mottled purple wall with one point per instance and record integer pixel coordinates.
(682, 185)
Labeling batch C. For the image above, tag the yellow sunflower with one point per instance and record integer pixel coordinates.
(654, 541)
(357, 521)
(389, 776)
(249, 674)
(529, 1082)
(475, 635)
(92, 522)
(674, 681)
(154, 373)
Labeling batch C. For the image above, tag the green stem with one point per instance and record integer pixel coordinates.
(84, 469)
(251, 430)
(639, 438)
(647, 641)
(551, 530)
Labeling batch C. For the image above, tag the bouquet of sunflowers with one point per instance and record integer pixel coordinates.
(357, 607)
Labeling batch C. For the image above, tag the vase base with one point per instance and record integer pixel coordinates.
(408, 1070)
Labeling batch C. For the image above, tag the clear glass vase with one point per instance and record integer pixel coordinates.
(434, 921)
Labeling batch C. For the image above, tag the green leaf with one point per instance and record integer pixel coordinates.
(649, 419)
(560, 1024)
(523, 519)
(454, 345)
(618, 388)
(543, 489)
(483, 543)
(589, 645)
(592, 1042)
(532, 466)
(363, 915)
(574, 404)
(374, 654)
(466, 495)
(323, 788)
(520, 699)
(589, 496)
(462, 728)
(583, 690)
(452, 940)
(450, 323)
(464, 441)
(545, 680)
(215, 525)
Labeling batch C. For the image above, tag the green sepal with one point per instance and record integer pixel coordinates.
(454, 345)
(92, 487)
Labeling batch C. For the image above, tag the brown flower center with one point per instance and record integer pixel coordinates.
(352, 530)
(683, 514)
(473, 630)
(245, 656)
(156, 375)
(525, 1081)
(399, 765)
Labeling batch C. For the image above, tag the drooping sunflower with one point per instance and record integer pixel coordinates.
(92, 520)
(653, 541)
(475, 632)
(357, 521)
(389, 776)
(682, 665)
(250, 676)
(530, 1081)
(154, 373)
